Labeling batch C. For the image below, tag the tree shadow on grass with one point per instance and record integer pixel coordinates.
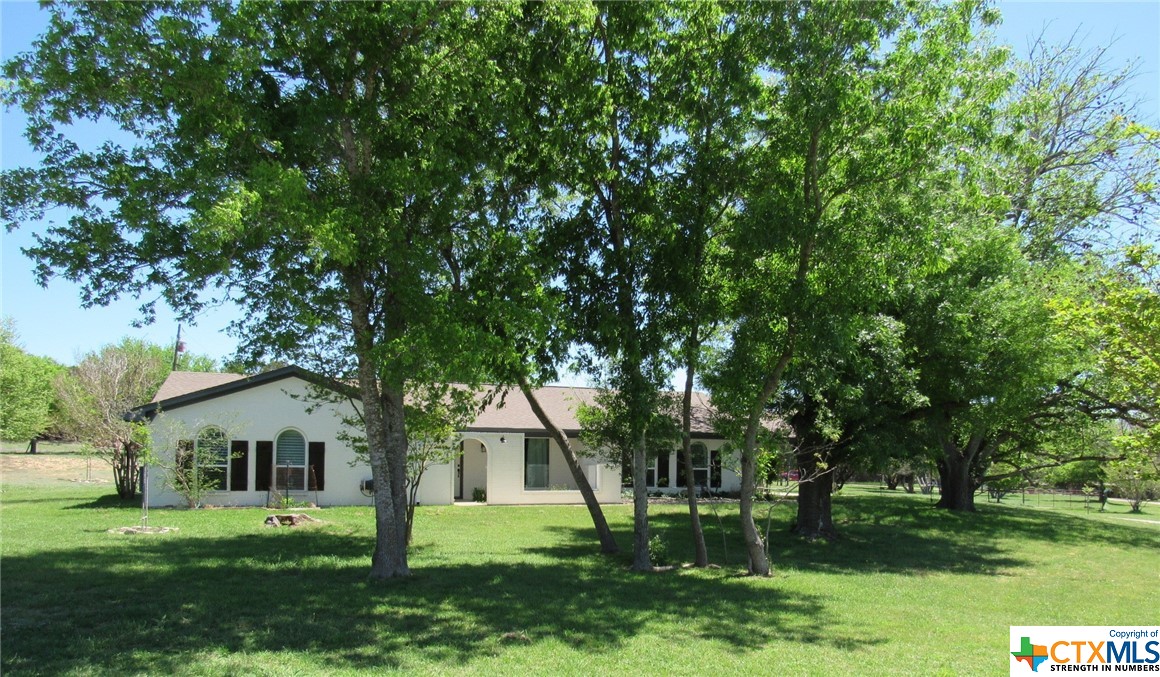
(886, 534)
(106, 501)
(157, 603)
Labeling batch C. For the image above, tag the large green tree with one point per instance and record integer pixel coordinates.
(315, 162)
(847, 401)
(713, 87)
(612, 122)
(988, 357)
(25, 388)
(1077, 162)
(860, 102)
(1071, 171)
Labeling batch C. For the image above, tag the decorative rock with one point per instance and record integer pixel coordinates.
(142, 530)
(288, 520)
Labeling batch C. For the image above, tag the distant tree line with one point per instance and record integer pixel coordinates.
(87, 403)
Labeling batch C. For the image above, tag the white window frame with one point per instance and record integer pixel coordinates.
(282, 482)
(546, 464)
(707, 468)
(200, 455)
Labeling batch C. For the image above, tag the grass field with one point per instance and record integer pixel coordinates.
(907, 590)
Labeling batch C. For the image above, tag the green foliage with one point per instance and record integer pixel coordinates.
(1136, 476)
(25, 389)
(658, 551)
(860, 105)
(1076, 475)
(1120, 322)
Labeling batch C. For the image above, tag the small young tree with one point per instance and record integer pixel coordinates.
(441, 446)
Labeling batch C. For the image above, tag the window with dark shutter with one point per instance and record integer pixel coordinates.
(318, 466)
(239, 465)
(263, 465)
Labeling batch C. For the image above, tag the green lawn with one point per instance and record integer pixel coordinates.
(908, 590)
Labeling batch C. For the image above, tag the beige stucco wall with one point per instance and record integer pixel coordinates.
(262, 412)
(505, 479)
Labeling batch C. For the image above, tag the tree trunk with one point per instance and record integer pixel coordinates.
(954, 470)
(701, 554)
(412, 496)
(815, 517)
(396, 458)
(607, 540)
(640, 555)
(754, 546)
(386, 438)
(125, 470)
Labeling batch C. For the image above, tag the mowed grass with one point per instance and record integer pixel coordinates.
(511, 590)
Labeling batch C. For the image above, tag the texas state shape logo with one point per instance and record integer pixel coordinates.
(1032, 654)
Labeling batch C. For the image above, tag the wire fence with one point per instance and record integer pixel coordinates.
(1064, 499)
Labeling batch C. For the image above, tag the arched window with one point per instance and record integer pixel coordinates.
(290, 460)
(212, 459)
(706, 467)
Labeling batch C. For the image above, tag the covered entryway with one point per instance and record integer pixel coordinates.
(471, 471)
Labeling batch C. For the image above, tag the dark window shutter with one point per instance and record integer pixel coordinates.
(239, 465)
(263, 465)
(317, 462)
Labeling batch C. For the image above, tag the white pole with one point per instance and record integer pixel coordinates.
(145, 495)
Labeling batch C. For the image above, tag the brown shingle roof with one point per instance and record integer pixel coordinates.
(185, 382)
(560, 403)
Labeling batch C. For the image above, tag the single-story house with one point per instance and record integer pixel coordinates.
(281, 440)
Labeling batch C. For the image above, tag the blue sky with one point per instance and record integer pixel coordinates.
(52, 323)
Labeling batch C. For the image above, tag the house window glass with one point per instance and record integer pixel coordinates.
(700, 465)
(213, 458)
(705, 474)
(658, 470)
(290, 461)
(662, 473)
(535, 463)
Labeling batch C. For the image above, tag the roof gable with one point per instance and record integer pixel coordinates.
(183, 388)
